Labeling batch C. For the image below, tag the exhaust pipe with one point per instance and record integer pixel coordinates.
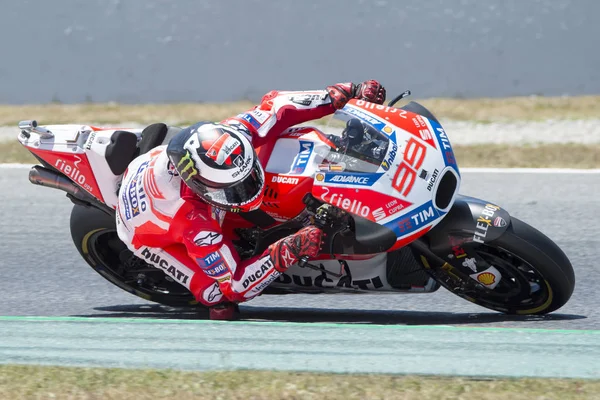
(39, 175)
(45, 177)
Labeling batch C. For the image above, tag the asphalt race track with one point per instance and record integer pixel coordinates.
(56, 310)
(43, 275)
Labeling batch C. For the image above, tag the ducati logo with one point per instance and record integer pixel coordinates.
(188, 168)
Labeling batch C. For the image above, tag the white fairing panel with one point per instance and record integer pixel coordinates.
(95, 149)
(67, 150)
(395, 181)
(297, 155)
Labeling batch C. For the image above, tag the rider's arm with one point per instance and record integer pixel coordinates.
(280, 110)
(217, 258)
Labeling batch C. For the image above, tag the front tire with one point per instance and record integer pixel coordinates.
(537, 277)
(94, 234)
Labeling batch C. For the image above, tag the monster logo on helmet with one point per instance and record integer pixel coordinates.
(187, 168)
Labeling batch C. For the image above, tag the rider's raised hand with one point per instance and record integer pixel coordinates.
(370, 90)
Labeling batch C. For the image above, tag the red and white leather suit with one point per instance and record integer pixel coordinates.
(163, 222)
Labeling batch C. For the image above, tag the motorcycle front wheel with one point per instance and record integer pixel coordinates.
(536, 275)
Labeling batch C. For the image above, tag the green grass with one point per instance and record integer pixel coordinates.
(488, 155)
(34, 382)
(526, 108)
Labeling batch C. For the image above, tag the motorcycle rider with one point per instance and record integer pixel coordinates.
(173, 199)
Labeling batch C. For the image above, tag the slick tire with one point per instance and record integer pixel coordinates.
(536, 275)
(94, 234)
(546, 258)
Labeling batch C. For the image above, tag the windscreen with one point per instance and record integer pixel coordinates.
(359, 147)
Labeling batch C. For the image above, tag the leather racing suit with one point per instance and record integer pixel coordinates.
(164, 223)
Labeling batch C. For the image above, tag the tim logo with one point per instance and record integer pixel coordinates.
(301, 160)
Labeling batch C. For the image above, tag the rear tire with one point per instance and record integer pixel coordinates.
(95, 236)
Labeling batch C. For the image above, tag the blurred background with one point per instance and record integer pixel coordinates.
(144, 51)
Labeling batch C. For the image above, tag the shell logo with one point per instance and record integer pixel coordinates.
(320, 177)
(387, 129)
(487, 278)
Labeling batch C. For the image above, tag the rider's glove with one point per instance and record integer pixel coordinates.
(289, 250)
(370, 90)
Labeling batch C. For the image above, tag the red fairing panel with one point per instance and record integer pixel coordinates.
(74, 166)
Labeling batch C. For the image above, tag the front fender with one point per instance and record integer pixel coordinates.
(470, 220)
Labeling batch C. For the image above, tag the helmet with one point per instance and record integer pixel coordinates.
(219, 164)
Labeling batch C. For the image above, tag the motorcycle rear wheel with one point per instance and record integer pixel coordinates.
(95, 236)
(537, 277)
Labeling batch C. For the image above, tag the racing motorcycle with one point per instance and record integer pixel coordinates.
(381, 181)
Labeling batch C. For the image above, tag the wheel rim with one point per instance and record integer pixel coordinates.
(522, 289)
(113, 260)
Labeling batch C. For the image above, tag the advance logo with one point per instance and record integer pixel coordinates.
(352, 179)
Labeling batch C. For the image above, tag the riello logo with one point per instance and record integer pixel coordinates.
(72, 171)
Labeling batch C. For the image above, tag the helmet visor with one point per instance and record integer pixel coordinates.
(238, 194)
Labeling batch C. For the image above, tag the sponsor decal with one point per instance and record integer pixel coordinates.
(307, 99)
(243, 165)
(484, 221)
(90, 141)
(261, 286)
(213, 265)
(250, 119)
(390, 208)
(414, 220)
(445, 146)
(171, 170)
(406, 174)
(320, 177)
(134, 196)
(259, 115)
(285, 179)
(387, 129)
(158, 261)
(362, 179)
(346, 203)
(301, 159)
(386, 109)
(499, 222)
(386, 164)
(367, 203)
(434, 176)
(73, 172)
(332, 167)
(324, 281)
(221, 150)
(212, 293)
(186, 166)
(365, 117)
(470, 263)
(206, 238)
(488, 278)
(259, 272)
(457, 250)
(423, 174)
